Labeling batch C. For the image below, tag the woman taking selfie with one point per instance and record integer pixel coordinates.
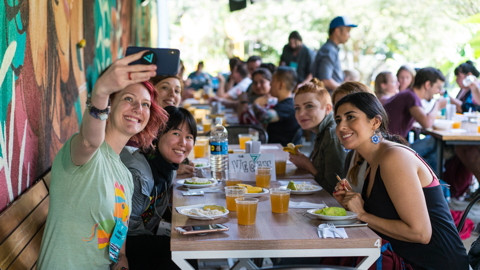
(91, 189)
(401, 200)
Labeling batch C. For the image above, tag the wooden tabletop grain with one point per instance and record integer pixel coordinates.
(292, 230)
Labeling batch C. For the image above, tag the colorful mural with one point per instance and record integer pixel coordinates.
(45, 75)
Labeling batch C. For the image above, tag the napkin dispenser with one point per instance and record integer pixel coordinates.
(253, 147)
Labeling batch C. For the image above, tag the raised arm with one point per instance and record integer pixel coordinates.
(92, 130)
(426, 119)
(474, 87)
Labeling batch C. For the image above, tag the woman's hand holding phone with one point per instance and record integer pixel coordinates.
(120, 75)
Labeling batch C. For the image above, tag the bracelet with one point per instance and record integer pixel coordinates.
(97, 113)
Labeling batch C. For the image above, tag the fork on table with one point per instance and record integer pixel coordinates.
(332, 228)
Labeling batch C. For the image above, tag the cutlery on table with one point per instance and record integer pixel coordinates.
(332, 228)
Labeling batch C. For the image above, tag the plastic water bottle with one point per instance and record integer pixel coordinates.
(444, 110)
(219, 150)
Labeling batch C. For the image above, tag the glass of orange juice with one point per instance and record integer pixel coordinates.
(232, 182)
(246, 210)
(242, 138)
(263, 176)
(232, 193)
(200, 149)
(280, 164)
(457, 122)
(279, 197)
(478, 124)
(207, 125)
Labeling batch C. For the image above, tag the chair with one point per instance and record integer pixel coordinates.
(465, 213)
(234, 130)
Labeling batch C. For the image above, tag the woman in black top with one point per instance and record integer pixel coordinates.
(401, 200)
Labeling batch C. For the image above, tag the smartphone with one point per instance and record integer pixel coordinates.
(202, 229)
(166, 60)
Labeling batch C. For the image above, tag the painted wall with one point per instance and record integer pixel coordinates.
(44, 77)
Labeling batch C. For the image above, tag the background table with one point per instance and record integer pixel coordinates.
(274, 235)
(447, 137)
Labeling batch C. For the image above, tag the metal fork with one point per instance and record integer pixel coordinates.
(332, 228)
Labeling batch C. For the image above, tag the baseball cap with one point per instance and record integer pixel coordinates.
(341, 21)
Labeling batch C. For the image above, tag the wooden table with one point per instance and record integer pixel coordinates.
(447, 137)
(274, 235)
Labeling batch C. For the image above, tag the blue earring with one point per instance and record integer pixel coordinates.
(345, 149)
(375, 138)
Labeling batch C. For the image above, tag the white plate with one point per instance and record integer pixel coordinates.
(303, 192)
(350, 215)
(186, 208)
(182, 182)
(254, 195)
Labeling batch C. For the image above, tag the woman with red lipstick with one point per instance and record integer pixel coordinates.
(91, 190)
(401, 199)
(153, 173)
(313, 111)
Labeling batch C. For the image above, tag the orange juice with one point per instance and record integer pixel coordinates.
(243, 139)
(262, 180)
(247, 212)
(478, 129)
(279, 202)
(280, 166)
(231, 204)
(232, 182)
(456, 125)
(207, 126)
(200, 150)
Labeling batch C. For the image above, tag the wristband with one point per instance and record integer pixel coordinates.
(97, 113)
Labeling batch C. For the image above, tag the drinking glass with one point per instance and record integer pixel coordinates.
(207, 125)
(263, 176)
(280, 164)
(246, 210)
(232, 182)
(200, 149)
(242, 138)
(279, 199)
(457, 122)
(232, 193)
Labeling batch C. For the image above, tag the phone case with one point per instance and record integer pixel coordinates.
(189, 230)
(166, 60)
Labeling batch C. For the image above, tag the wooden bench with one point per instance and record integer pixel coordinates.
(22, 225)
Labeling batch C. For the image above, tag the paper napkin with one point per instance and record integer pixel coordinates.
(308, 205)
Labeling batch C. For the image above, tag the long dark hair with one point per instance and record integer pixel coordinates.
(371, 106)
(467, 67)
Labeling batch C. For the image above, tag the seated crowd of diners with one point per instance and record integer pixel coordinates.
(118, 174)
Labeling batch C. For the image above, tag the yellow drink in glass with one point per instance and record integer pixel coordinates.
(242, 138)
(200, 150)
(207, 126)
(246, 211)
(280, 166)
(232, 182)
(280, 201)
(262, 180)
(232, 193)
(231, 204)
(456, 125)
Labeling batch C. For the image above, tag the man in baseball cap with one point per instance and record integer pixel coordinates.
(326, 66)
